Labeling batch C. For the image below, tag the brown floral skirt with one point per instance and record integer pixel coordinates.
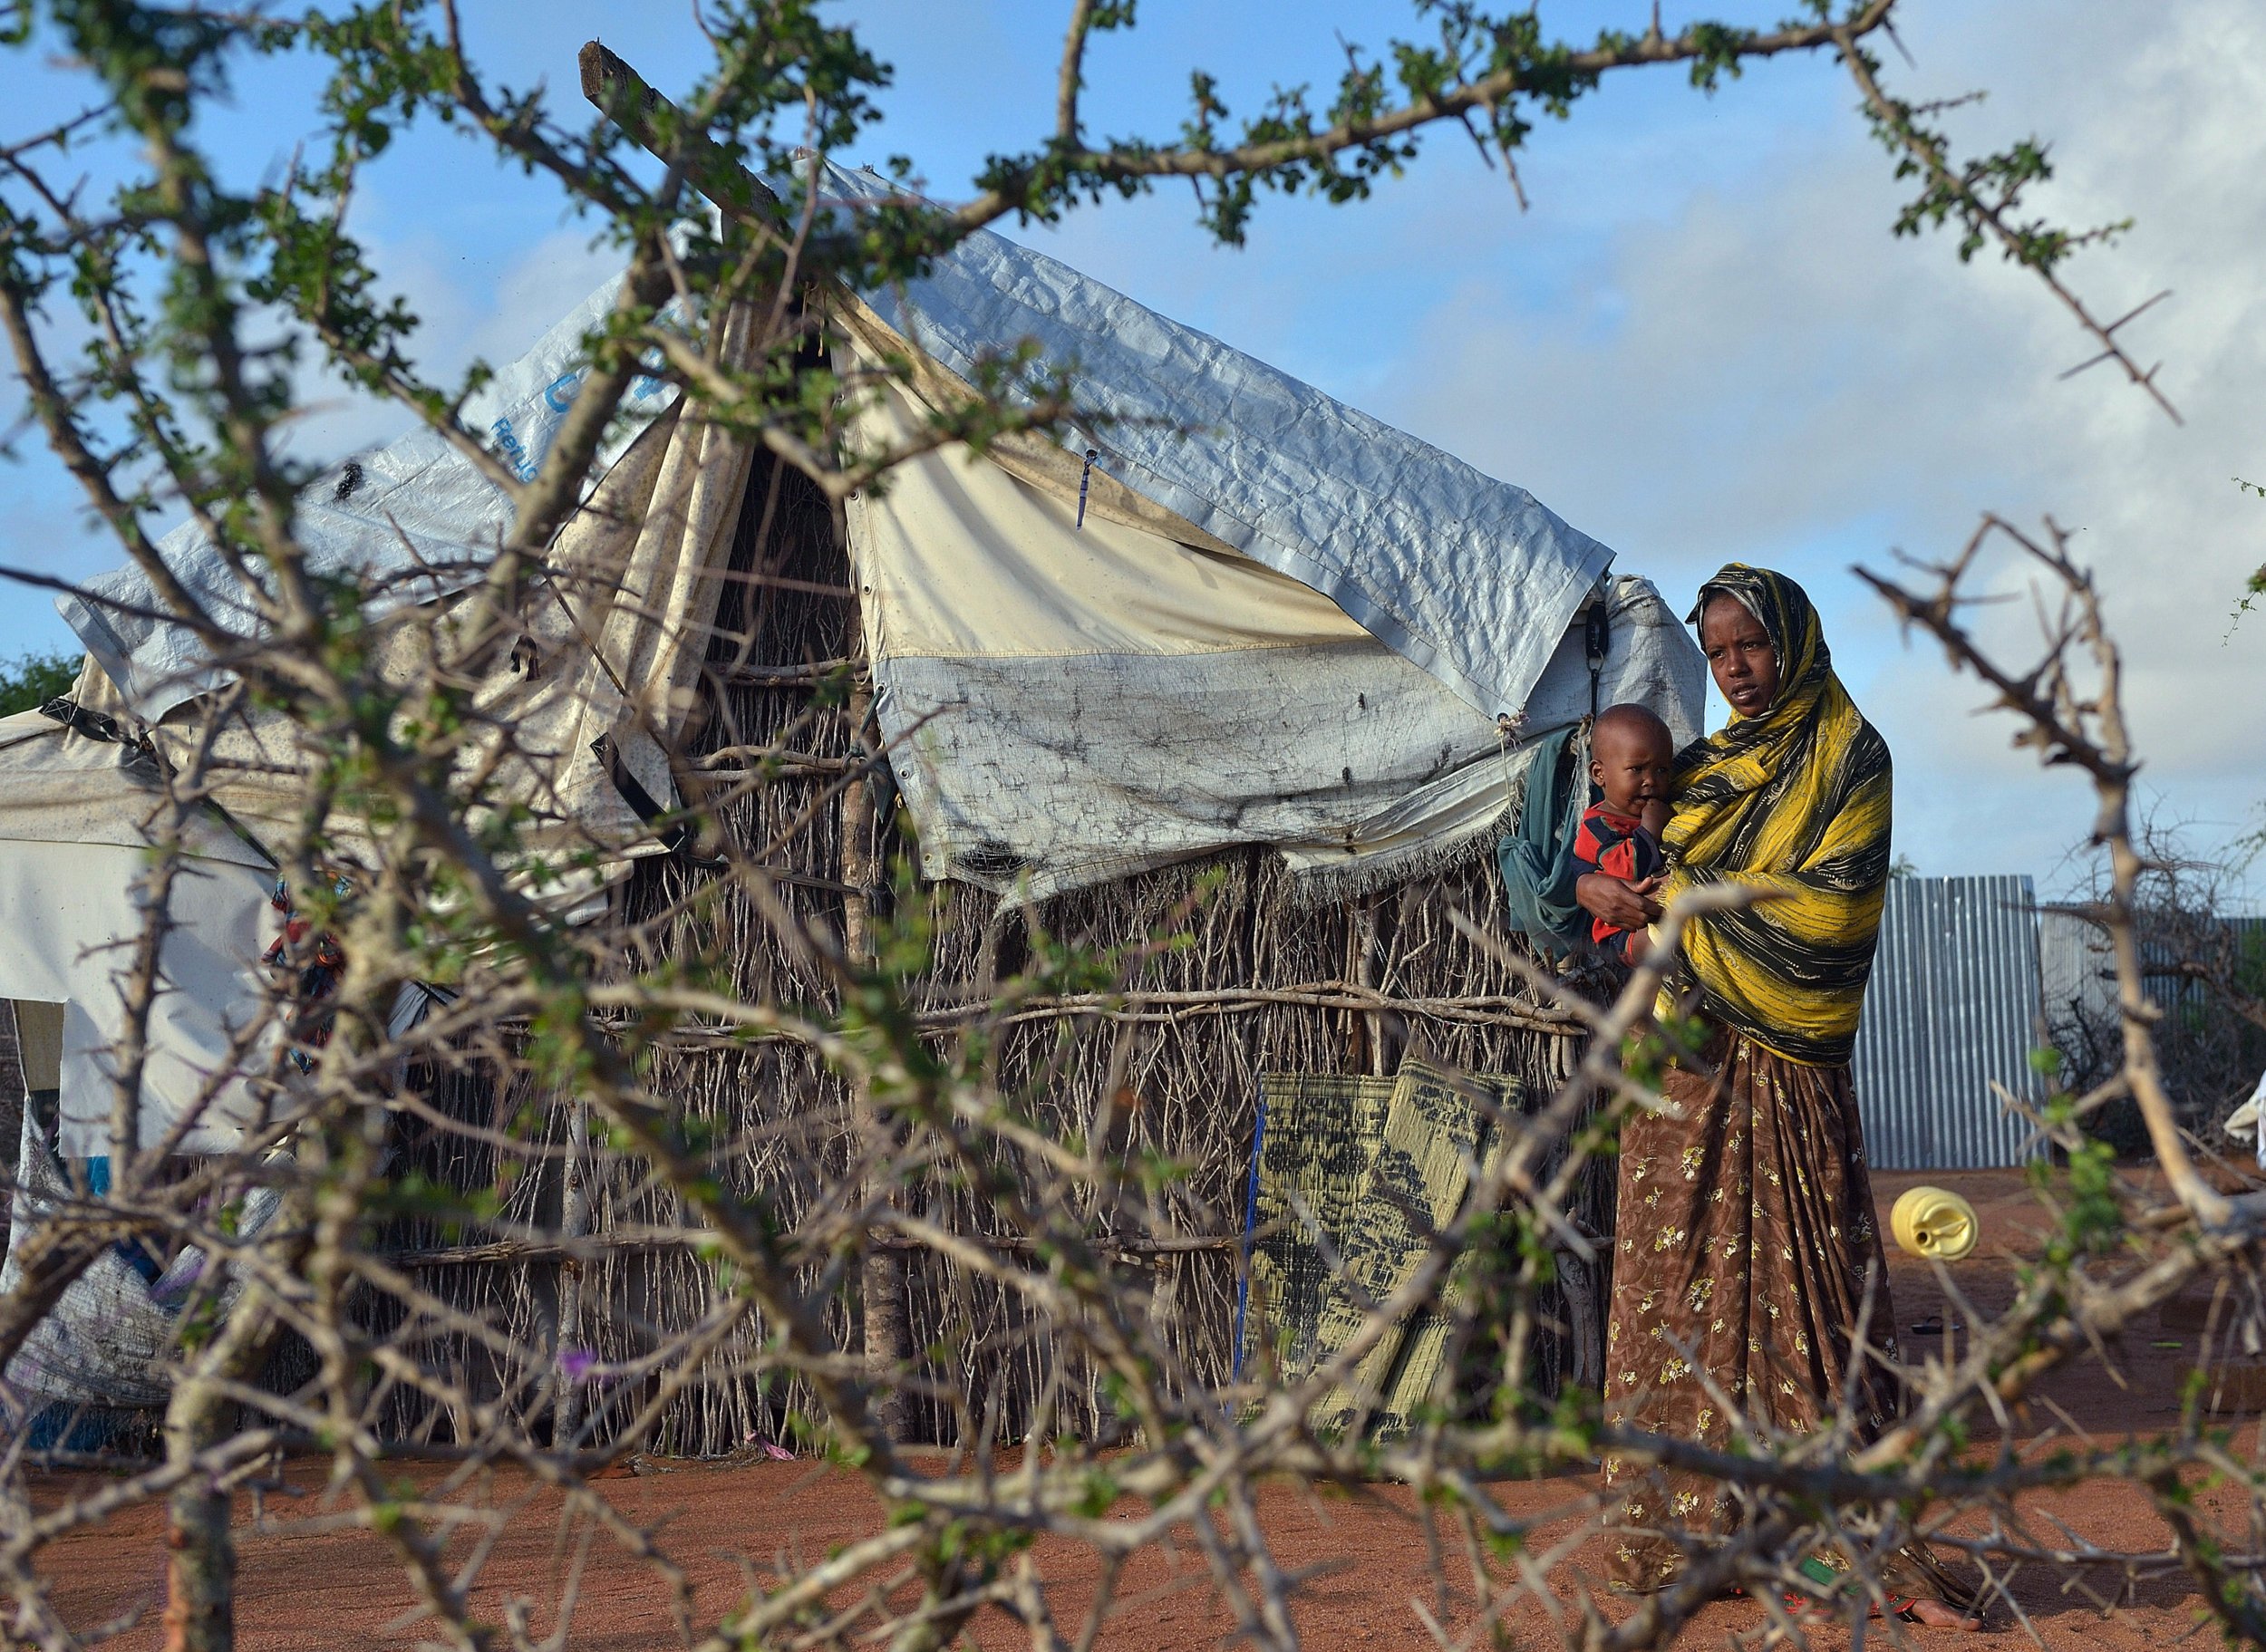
(1743, 1244)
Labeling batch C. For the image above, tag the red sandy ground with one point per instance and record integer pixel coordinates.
(313, 1587)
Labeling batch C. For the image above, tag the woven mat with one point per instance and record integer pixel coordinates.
(1352, 1176)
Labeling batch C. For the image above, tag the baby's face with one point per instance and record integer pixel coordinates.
(1630, 764)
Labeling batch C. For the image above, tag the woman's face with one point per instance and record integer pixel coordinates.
(1738, 652)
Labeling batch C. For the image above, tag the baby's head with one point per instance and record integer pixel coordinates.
(1630, 753)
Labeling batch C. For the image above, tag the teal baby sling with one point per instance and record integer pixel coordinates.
(1536, 856)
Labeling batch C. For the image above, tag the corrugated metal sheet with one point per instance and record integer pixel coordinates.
(2076, 969)
(1953, 1006)
(2079, 972)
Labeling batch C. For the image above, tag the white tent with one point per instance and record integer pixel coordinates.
(77, 819)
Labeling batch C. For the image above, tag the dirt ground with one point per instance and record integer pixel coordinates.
(310, 1585)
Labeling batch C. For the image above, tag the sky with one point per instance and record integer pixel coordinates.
(1698, 342)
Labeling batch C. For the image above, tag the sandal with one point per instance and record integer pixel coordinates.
(1901, 1608)
(1801, 1605)
(1906, 1609)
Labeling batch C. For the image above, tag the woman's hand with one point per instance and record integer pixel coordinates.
(1622, 905)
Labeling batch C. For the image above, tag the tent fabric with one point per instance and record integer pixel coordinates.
(75, 913)
(57, 786)
(76, 823)
(1471, 579)
(615, 654)
(614, 650)
(1025, 455)
(634, 579)
(415, 520)
(1066, 705)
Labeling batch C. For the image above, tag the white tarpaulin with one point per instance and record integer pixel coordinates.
(1069, 704)
(604, 674)
(1470, 578)
(74, 826)
(1281, 621)
(612, 649)
(1467, 577)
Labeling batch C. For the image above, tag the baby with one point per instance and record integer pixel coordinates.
(1631, 755)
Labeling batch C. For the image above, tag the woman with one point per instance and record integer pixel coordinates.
(1746, 1232)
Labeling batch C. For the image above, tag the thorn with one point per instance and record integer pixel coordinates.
(2136, 310)
(2092, 360)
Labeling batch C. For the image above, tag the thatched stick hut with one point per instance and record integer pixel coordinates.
(1274, 979)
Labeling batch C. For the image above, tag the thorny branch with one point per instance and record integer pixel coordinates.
(1984, 195)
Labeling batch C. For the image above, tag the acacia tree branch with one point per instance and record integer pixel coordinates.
(1899, 129)
(1071, 77)
(1013, 181)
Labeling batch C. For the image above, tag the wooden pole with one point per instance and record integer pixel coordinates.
(573, 1223)
(660, 127)
(888, 1336)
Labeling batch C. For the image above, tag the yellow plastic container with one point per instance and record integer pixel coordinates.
(1932, 1223)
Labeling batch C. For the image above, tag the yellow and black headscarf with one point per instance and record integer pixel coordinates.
(1795, 801)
